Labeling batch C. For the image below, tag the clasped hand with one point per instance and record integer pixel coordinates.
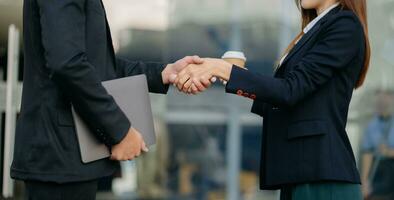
(196, 78)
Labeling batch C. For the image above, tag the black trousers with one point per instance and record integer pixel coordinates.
(36, 190)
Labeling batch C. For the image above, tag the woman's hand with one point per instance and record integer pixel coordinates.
(197, 78)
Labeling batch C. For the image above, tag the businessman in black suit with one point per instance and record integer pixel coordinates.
(68, 53)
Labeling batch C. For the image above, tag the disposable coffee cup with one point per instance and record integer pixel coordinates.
(235, 57)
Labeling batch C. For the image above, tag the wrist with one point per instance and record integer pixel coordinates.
(165, 74)
(224, 70)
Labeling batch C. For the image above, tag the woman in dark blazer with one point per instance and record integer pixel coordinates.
(305, 149)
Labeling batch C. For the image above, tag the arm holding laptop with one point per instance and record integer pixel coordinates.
(70, 69)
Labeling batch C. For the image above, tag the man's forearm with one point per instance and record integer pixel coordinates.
(152, 70)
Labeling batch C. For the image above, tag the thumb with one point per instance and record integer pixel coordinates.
(197, 60)
(172, 78)
(144, 148)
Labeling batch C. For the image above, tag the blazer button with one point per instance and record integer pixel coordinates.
(240, 92)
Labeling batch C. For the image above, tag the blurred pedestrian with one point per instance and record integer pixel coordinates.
(378, 151)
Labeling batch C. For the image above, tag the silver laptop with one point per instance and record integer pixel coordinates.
(132, 96)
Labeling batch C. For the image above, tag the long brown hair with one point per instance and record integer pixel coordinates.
(359, 7)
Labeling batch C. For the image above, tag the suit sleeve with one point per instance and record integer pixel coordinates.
(63, 37)
(336, 49)
(258, 108)
(152, 71)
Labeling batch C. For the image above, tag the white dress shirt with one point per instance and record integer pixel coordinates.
(310, 26)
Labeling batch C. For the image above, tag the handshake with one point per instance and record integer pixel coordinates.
(191, 75)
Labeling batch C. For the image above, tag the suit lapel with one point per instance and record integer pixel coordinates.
(109, 37)
(305, 38)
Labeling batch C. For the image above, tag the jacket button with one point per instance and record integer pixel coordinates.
(240, 92)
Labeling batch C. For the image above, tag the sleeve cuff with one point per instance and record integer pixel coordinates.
(114, 128)
(121, 132)
(235, 78)
(156, 84)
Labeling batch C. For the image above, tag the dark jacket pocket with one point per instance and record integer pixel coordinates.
(307, 128)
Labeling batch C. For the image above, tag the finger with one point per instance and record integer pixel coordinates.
(206, 82)
(144, 147)
(190, 89)
(197, 60)
(199, 85)
(179, 75)
(119, 158)
(187, 85)
(194, 89)
(182, 81)
(188, 60)
(141, 143)
(129, 158)
(138, 151)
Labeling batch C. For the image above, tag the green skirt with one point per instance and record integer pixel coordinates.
(322, 191)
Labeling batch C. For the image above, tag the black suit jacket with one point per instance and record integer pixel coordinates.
(68, 53)
(305, 105)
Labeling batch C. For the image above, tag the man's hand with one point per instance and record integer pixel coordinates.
(170, 73)
(130, 147)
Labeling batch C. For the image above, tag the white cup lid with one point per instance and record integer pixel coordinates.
(234, 54)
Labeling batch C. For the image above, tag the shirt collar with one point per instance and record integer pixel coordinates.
(317, 19)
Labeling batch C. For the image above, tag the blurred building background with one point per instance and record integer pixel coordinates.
(209, 145)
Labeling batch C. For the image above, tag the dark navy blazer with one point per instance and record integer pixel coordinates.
(68, 52)
(305, 106)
